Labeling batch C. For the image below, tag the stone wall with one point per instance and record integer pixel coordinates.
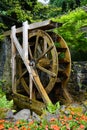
(5, 64)
(77, 85)
(79, 75)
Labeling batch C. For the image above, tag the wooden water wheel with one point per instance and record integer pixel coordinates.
(44, 60)
(40, 61)
(50, 58)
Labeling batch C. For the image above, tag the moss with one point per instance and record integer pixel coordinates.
(75, 109)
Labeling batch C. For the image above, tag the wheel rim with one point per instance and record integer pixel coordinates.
(64, 58)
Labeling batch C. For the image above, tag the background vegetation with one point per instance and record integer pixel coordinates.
(70, 12)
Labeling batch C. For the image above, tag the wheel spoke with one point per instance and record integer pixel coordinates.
(36, 45)
(31, 56)
(31, 87)
(23, 74)
(46, 71)
(45, 52)
(45, 46)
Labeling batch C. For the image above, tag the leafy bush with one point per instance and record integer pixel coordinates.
(5, 105)
(52, 108)
(74, 33)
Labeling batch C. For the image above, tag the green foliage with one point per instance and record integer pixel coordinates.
(67, 5)
(17, 11)
(83, 2)
(54, 11)
(56, 2)
(2, 26)
(20, 14)
(41, 12)
(72, 32)
(5, 105)
(61, 55)
(1, 83)
(52, 108)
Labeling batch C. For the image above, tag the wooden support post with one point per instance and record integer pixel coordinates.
(31, 86)
(16, 42)
(67, 95)
(25, 40)
(13, 65)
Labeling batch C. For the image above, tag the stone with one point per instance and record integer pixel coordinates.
(24, 114)
(35, 117)
(48, 116)
(9, 115)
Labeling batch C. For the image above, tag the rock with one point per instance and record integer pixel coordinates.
(35, 117)
(48, 116)
(24, 114)
(9, 115)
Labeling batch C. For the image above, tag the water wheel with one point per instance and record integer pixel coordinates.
(50, 58)
(41, 63)
(44, 60)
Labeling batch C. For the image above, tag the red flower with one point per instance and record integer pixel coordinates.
(52, 119)
(55, 127)
(1, 127)
(2, 121)
(10, 129)
(82, 126)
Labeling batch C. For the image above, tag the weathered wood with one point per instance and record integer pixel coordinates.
(46, 71)
(44, 62)
(23, 74)
(16, 42)
(34, 76)
(44, 25)
(25, 102)
(31, 86)
(38, 62)
(64, 62)
(45, 58)
(13, 67)
(26, 87)
(67, 95)
(25, 40)
(45, 52)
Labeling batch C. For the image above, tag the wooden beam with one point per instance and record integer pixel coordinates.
(24, 102)
(13, 66)
(25, 40)
(44, 25)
